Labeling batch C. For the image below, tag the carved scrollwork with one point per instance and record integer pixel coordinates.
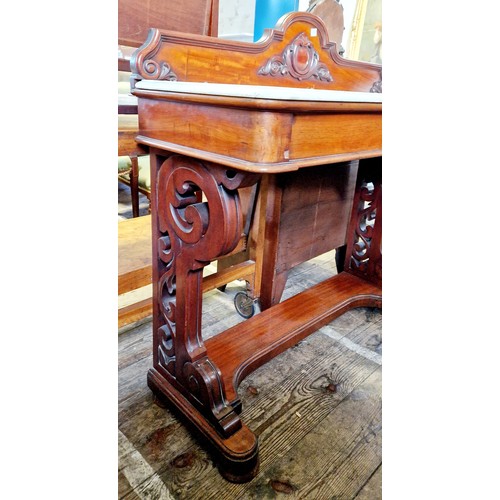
(199, 219)
(166, 302)
(189, 219)
(166, 351)
(299, 60)
(364, 230)
(158, 71)
(366, 256)
(205, 383)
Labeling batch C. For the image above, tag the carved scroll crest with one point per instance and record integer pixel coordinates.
(299, 60)
(158, 71)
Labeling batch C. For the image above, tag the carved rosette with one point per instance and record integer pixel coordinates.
(299, 60)
(199, 220)
(366, 257)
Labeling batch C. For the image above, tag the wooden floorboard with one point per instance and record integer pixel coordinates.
(372, 490)
(316, 409)
(334, 457)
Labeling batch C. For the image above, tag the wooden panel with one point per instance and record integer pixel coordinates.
(128, 127)
(320, 135)
(315, 212)
(135, 18)
(248, 132)
(251, 135)
(134, 253)
(135, 312)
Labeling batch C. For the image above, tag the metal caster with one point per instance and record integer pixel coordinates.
(244, 305)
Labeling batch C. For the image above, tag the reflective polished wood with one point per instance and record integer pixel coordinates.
(206, 141)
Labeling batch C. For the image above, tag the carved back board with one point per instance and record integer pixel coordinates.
(296, 53)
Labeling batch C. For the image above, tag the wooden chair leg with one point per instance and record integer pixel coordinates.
(340, 254)
(134, 185)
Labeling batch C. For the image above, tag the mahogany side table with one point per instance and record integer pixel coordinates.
(220, 115)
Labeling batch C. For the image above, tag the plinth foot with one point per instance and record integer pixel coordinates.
(236, 457)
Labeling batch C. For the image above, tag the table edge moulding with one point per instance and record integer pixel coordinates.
(220, 115)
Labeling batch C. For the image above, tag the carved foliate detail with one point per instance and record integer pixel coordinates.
(366, 258)
(364, 229)
(299, 60)
(166, 303)
(199, 219)
(158, 71)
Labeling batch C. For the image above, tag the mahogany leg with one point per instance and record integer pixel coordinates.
(134, 185)
(187, 236)
(340, 253)
(272, 288)
(272, 283)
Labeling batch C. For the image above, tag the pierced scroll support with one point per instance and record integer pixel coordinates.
(198, 219)
(364, 238)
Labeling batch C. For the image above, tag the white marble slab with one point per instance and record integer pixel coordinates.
(259, 91)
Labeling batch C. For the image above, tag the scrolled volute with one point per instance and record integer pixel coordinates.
(208, 228)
